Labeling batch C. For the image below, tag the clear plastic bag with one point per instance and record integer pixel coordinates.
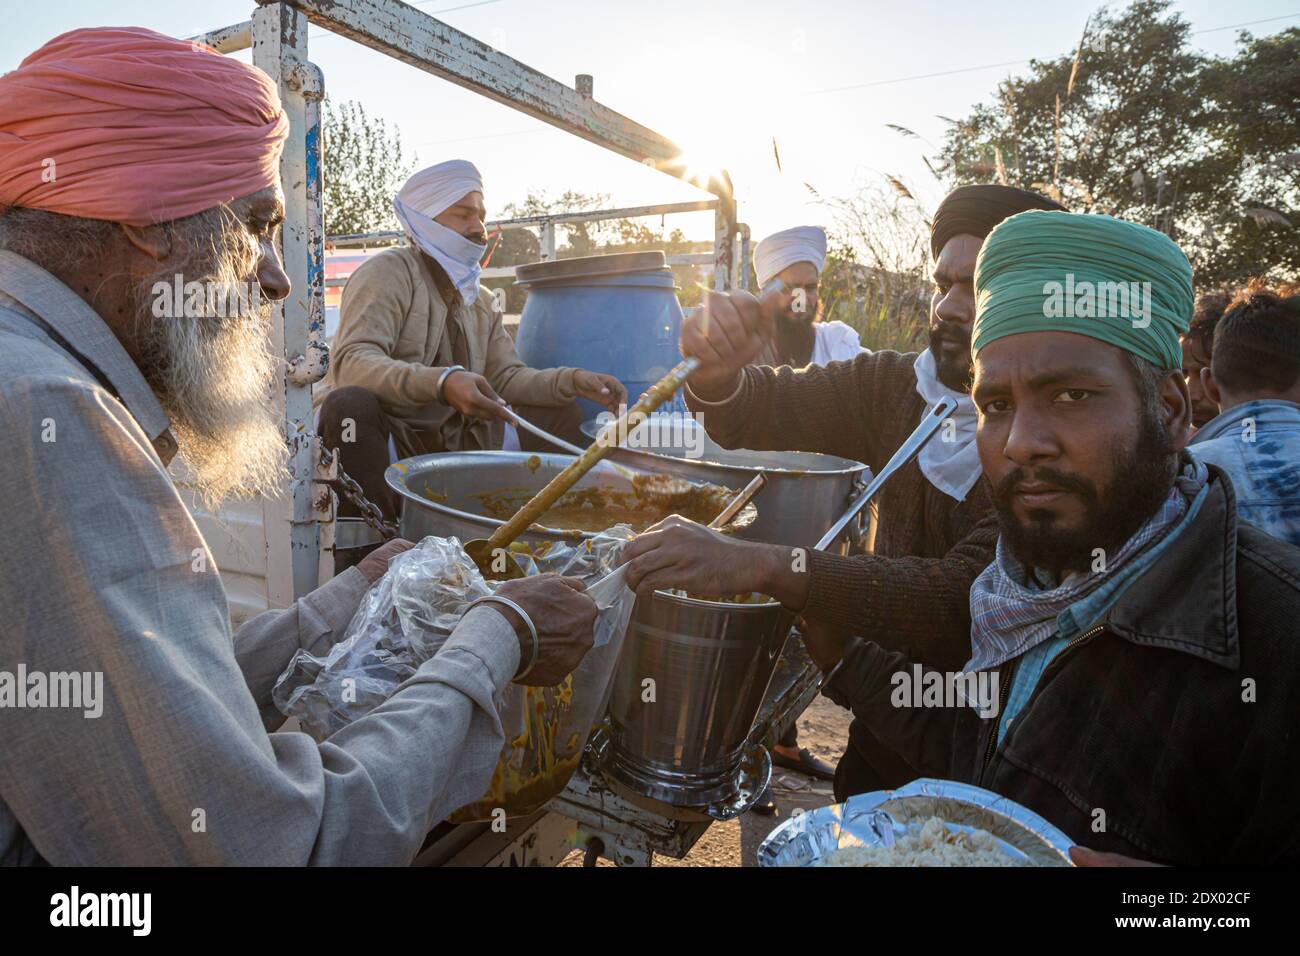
(408, 615)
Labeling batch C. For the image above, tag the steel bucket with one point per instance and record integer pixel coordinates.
(692, 679)
(804, 492)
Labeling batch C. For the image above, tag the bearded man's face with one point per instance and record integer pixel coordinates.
(207, 354)
(1078, 454)
(952, 310)
(797, 304)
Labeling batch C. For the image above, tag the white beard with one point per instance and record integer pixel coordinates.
(220, 408)
(213, 377)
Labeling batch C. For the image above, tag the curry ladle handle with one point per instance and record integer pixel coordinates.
(906, 452)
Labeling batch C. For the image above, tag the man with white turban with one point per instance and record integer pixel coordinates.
(792, 261)
(422, 356)
(788, 265)
(135, 727)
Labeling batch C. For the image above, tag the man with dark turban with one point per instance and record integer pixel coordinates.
(134, 726)
(936, 529)
(1141, 634)
(963, 219)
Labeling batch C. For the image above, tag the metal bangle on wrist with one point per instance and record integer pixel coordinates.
(437, 389)
(740, 384)
(528, 622)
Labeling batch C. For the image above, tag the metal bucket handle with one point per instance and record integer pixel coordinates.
(858, 526)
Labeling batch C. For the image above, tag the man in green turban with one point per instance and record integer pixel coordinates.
(1142, 637)
(1076, 297)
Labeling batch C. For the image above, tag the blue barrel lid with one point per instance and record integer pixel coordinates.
(593, 267)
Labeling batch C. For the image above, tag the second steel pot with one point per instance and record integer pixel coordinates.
(805, 491)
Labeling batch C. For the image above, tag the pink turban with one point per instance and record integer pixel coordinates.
(128, 125)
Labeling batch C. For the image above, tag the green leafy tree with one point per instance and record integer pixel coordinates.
(1257, 118)
(1134, 123)
(364, 168)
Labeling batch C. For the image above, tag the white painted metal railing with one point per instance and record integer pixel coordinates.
(546, 225)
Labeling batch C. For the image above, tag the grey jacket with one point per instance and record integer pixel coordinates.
(104, 575)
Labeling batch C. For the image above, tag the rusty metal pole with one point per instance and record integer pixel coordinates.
(724, 231)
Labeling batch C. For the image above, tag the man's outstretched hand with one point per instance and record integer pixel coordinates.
(726, 334)
(1082, 856)
(471, 395)
(600, 388)
(680, 553)
(565, 618)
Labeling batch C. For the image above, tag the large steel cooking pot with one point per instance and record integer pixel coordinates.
(804, 494)
(685, 695)
(440, 492)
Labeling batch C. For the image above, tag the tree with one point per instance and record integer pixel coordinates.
(1135, 124)
(1257, 117)
(364, 169)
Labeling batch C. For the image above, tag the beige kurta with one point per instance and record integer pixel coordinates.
(395, 339)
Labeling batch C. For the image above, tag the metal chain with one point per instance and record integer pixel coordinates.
(348, 488)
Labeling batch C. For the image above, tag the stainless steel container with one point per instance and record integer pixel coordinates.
(804, 494)
(439, 492)
(686, 693)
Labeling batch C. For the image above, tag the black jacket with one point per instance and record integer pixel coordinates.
(1168, 731)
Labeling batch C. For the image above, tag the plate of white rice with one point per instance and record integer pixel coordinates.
(928, 823)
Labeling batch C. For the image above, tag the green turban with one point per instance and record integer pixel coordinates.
(1092, 275)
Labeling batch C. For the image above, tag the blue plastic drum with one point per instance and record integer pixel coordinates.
(617, 314)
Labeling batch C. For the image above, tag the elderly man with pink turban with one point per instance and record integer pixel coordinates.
(135, 728)
(422, 359)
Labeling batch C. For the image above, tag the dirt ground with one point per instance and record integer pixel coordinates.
(823, 729)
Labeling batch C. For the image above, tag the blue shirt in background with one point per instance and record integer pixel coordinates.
(1263, 464)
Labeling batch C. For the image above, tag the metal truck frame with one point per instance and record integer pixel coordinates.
(293, 564)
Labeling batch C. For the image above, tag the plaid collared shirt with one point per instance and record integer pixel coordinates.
(1009, 618)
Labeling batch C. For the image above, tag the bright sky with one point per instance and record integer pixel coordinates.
(720, 78)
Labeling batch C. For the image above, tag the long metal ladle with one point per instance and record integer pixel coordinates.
(906, 452)
(492, 554)
(559, 442)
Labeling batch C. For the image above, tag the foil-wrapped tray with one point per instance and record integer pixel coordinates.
(879, 818)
